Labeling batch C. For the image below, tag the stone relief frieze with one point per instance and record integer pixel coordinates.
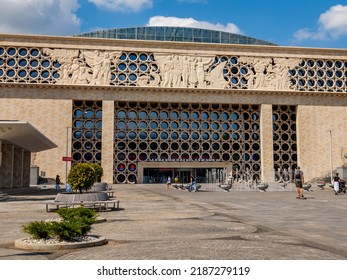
(171, 70)
(84, 67)
(185, 71)
(269, 73)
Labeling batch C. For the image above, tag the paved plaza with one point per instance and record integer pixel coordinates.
(159, 224)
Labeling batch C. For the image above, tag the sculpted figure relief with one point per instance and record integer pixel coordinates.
(85, 67)
(187, 71)
(100, 65)
(269, 73)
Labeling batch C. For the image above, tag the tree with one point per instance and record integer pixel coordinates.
(82, 176)
(98, 171)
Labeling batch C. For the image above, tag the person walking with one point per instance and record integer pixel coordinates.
(336, 183)
(299, 181)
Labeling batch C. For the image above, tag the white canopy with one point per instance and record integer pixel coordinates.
(24, 135)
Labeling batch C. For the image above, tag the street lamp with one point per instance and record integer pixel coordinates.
(66, 153)
(331, 156)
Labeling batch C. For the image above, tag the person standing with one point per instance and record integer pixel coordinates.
(192, 186)
(57, 183)
(299, 181)
(168, 183)
(336, 183)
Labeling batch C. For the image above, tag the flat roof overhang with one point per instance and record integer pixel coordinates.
(23, 134)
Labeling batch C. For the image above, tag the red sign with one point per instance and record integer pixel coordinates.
(67, 158)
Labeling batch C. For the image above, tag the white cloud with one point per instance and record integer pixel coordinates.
(332, 24)
(39, 17)
(123, 5)
(334, 21)
(190, 22)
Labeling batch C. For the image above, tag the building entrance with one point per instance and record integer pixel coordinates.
(183, 175)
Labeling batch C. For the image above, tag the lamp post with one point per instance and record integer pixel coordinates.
(66, 153)
(331, 156)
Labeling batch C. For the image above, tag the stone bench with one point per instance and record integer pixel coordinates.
(184, 186)
(97, 205)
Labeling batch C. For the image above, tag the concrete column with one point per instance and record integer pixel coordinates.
(17, 167)
(26, 168)
(107, 158)
(0, 164)
(7, 165)
(266, 144)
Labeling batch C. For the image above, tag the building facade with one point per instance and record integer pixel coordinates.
(148, 103)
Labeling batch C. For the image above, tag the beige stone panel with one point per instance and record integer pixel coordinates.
(313, 125)
(107, 140)
(50, 117)
(266, 144)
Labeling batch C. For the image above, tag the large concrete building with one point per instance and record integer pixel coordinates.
(151, 102)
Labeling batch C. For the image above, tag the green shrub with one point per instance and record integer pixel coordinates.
(69, 230)
(76, 222)
(80, 213)
(81, 177)
(38, 229)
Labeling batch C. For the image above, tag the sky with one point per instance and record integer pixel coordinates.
(303, 23)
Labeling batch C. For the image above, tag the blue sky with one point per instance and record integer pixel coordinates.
(308, 23)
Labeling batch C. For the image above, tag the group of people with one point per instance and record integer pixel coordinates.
(192, 186)
(57, 185)
(299, 181)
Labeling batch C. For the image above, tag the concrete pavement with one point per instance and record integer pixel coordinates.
(155, 223)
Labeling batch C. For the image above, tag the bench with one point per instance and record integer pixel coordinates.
(98, 205)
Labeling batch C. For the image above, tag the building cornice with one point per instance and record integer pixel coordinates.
(169, 47)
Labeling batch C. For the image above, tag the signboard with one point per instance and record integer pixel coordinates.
(67, 158)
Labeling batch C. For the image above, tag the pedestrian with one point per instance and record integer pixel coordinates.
(299, 181)
(168, 183)
(336, 183)
(68, 187)
(192, 186)
(57, 183)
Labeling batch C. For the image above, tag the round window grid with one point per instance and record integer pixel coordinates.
(321, 75)
(174, 150)
(284, 140)
(36, 66)
(86, 131)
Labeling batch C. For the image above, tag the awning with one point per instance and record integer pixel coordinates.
(24, 135)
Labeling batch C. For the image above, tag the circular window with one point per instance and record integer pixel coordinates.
(142, 157)
(143, 135)
(121, 156)
(121, 178)
(131, 167)
(88, 145)
(153, 146)
(164, 136)
(88, 134)
(121, 135)
(174, 146)
(121, 145)
(121, 167)
(77, 156)
(143, 146)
